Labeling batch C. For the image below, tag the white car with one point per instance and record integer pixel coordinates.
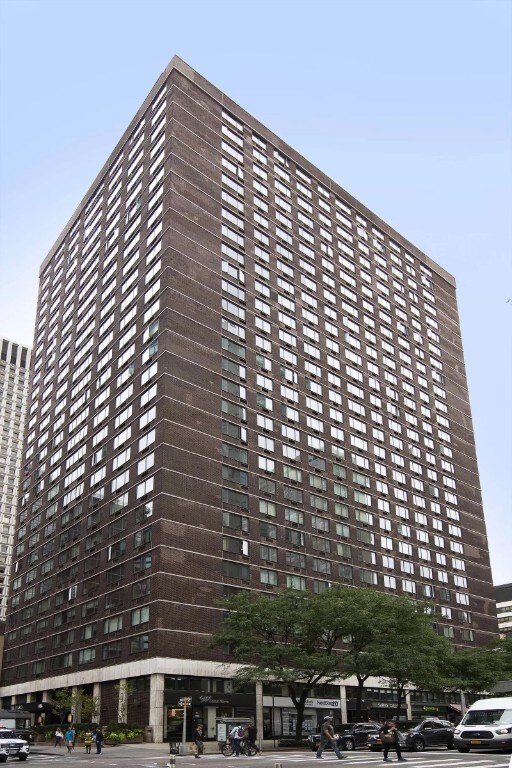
(11, 746)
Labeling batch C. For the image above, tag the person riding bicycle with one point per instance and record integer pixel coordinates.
(235, 735)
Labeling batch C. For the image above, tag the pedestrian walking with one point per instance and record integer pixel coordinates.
(197, 738)
(74, 735)
(88, 741)
(58, 737)
(390, 739)
(99, 741)
(69, 736)
(327, 739)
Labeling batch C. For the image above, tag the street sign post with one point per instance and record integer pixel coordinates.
(184, 703)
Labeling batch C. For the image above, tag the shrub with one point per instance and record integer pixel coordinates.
(119, 733)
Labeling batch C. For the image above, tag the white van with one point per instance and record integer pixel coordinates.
(487, 723)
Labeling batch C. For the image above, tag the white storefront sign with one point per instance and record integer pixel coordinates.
(285, 701)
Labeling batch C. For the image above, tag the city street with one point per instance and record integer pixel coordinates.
(156, 756)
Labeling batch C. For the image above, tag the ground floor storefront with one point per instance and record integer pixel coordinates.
(169, 703)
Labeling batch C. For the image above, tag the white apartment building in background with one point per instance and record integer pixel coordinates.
(14, 381)
(504, 609)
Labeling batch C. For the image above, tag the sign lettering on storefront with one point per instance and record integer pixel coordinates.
(213, 700)
(323, 703)
(284, 701)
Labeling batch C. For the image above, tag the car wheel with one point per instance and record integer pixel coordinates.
(22, 758)
(348, 745)
(418, 745)
(450, 744)
(464, 750)
(375, 749)
(3, 759)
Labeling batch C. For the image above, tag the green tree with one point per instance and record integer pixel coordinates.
(414, 654)
(62, 703)
(390, 636)
(368, 642)
(89, 707)
(504, 650)
(476, 670)
(292, 638)
(65, 701)
(125, 690)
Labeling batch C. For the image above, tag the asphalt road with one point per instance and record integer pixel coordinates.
(157, 756)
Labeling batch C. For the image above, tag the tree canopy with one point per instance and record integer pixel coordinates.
(390, 637)
(66, 701)
(304, 640)
(291, 637)
(474, 670)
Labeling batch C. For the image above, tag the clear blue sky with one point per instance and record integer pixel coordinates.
(407, 104)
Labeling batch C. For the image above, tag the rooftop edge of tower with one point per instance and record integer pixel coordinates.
(178, 64)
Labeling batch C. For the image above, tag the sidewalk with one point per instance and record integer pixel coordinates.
(47, 748)
(162, 749)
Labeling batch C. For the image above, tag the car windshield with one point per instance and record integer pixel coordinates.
(487, 717)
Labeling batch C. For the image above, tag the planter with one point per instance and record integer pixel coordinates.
(115, 742)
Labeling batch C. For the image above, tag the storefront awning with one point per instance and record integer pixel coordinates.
(31, 706)
(456, 707)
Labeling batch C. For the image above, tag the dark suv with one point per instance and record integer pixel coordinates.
(348, 736)
(428, 733)
(357, 735)
(416, 735)
(314, 738)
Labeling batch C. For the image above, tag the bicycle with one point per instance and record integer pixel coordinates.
(249, 750)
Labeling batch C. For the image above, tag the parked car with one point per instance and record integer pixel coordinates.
(487, 723)
(357, 735)
(349, 736)
(11, 746)
(314, 738)
(417, 735)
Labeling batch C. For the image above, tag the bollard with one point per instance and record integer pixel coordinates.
(172, 761)
(278, 765)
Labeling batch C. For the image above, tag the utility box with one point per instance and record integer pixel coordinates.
(148, 734)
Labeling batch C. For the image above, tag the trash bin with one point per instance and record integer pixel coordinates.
(148, 734)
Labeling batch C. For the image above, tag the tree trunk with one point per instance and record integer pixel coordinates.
(300, 705)
(359, 697)
(400, 698)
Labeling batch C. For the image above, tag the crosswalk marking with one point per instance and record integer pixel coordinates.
(415, 761)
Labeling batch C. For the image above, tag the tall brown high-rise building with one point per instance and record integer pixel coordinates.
(242, 379)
